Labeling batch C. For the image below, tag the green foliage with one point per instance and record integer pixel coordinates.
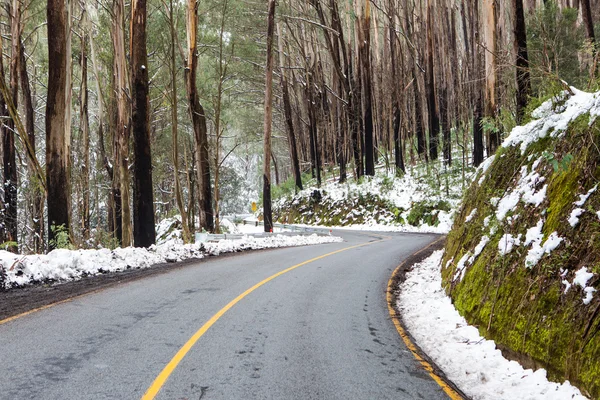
(8, 245)
(561, 165)
(426, 213)
(61, 238)
(554, 40)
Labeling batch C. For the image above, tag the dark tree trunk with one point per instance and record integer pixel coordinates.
(267, 209)
(3, 134)
(445, 126)
(287, 110)
(364, 39)
(85, 138)
(522, 71)
(586, 11)
(434, 119)
(37, 204)
(56, 158)
(421, 143)
(198, 122)
(144, 234)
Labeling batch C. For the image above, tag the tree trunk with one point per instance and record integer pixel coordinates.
(85, 138)
(522, 70)
(198, 121)
(56, 158)
(144, 233)
(287, 110)
(434, 119)
(364, 40)
(490, 9)
(267, 211)
(187, 237)
(121, 172)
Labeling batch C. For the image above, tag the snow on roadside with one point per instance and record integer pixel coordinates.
(65, 265)
(470, 361)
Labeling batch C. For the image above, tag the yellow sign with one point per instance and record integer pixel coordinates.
(253, 206)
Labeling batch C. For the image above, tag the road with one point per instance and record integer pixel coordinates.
(319, 331)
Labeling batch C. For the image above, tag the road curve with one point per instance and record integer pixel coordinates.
(320, 331)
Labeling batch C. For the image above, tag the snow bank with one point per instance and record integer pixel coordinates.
(470, 361)
(65, 265)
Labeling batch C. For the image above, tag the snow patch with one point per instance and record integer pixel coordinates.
(470, 361)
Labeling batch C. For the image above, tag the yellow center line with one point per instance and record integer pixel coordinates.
(170, 367)
(408, 342)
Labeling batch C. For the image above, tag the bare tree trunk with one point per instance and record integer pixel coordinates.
(491, 71)
(267, 211)
(287, 109)
(85, 138)
(56, 158)
(522, 71)
(144, 233)
(187, 237)
(123, 117)
(434, 118)
(198, 121)
(8, 142)
(588, 22)
(364, 45)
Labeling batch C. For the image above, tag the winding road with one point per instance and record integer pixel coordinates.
(231, 327)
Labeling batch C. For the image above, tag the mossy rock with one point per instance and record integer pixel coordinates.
(526, 310)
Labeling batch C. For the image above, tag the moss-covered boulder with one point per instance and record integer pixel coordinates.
(522, 261)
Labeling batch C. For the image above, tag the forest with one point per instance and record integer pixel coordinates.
(116, 115)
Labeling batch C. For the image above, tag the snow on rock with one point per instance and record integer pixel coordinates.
(553, 120)
(538, 250)
(574, 217)
(471, 215)
(470, 361)
(65, 265)
(525, 190)
(507, 243)
(582, 276)
(583, 197)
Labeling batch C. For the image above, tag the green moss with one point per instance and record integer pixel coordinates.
(526, 310)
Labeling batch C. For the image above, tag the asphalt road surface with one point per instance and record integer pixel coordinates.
(319, 331)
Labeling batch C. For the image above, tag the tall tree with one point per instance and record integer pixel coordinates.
(522, 59)
(490, 10)
(198, 120)
(187, 237)
(144, 234)
(56, 157)
(434, 118)
(267, 211)
(364, 44)
(122, 133)
(287, 109)
(84, 121)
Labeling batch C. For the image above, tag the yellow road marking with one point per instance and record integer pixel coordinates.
(168, 370)
(408, 342)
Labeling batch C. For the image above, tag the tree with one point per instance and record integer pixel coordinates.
(522, 59)
(123, 129)
(287, 109)
(144, 234)
(198, 120)
(56, 150)
(267, 211)
(187, 237)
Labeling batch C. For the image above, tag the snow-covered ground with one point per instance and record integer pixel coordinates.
(418, 187)
(470, 361)
(65, 265)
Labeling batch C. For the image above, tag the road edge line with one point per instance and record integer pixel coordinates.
(452, 392)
